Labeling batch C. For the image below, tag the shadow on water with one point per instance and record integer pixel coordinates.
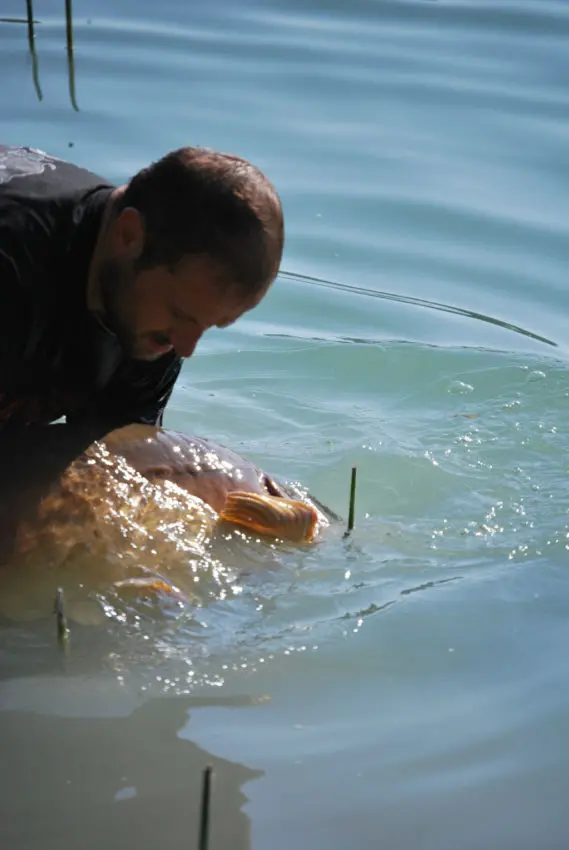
(31, 22)
(116, 781)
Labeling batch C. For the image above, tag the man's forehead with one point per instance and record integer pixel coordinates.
(199, 271)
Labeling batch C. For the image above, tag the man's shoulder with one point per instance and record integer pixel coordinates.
(49, 214)
(31, 175)
(42, 197)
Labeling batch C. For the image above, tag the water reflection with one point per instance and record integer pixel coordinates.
(31, 22)
(115, 781)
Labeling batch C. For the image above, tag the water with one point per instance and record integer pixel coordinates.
(408, 687)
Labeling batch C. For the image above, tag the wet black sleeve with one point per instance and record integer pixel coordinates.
(15, 319)
(139, 392)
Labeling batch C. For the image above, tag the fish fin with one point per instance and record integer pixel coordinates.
(156, 584)
(274, 516)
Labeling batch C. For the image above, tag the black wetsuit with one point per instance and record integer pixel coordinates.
(56, 359)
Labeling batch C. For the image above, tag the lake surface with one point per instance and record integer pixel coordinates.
(407, 687)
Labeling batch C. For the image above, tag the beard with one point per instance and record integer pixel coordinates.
(115, 283)
(116, 286)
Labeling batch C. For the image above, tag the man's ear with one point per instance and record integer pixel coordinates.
(128, 235)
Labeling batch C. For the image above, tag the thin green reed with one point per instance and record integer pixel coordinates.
(63, 633)
(31, 22)
(32, 46)
(352, 509)
(203, 839)
(70, 59)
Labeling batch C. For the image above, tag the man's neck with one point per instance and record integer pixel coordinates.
(94, 295)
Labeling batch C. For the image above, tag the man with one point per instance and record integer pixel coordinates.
(104, 290)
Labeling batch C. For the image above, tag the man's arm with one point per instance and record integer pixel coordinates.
(15, 318)
(138, 392)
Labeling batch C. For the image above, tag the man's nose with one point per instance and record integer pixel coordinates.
(184, 340)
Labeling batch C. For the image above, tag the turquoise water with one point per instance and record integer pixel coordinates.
(408, 687)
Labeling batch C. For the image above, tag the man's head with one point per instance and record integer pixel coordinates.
(195, 240)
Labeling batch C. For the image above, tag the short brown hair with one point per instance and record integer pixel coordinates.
(199, 201)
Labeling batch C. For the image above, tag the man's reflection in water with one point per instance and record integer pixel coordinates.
(92, 783)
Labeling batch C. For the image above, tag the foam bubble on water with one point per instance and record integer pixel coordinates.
(460, 387)
(128, 792)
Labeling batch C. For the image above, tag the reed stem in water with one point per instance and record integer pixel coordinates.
(32, 46)
(70, 59)
(205, 808)
(62, 627)
(352, 511)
